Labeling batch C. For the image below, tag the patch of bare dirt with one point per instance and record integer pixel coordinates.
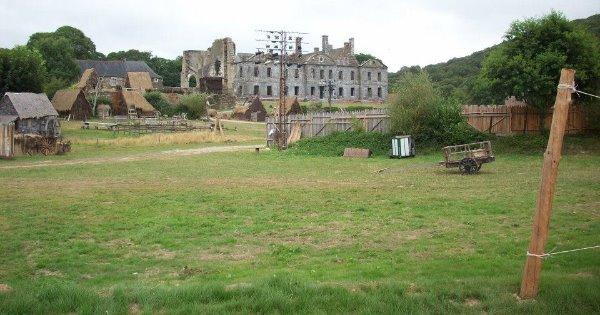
(5, 288)
(50, 273)
(133, 157)
(236, 286)
(233, 253)
(472, 302)
(134, 308)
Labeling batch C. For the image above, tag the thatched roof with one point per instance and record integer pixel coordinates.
(31, 105)
(139, 81)
(256, 105)
(136, 100)
(86, 76)
(240, 109)
(292, 106)
(63, 100)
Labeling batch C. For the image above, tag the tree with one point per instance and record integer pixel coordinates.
(83, 47)
(132, 54)
(527, 65)
(53, 85)
(362, 57)
(21, 70)
(170, 70)
(58, 54)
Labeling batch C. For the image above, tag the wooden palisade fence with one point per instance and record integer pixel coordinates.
(323, 123)
(515, 119)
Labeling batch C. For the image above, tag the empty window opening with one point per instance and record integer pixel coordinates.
(379, 92)
(269, 90)
(341, 92)
(256, 90)
(296, 90)
(256, 71)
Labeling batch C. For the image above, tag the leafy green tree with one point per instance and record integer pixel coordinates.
(420, 111)
(21, 70)
(170, 70)
(527, 65)
(83, 47)
(132, 54)
(362, 57)
(54, 85)
(58, 55)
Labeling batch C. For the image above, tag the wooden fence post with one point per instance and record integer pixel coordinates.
(541, 219)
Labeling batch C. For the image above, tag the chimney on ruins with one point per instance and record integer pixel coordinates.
(325, 44)
(351, 42)
(299, 45)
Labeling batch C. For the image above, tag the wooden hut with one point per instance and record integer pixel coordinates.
(139, 81)
(123, 101)
(31, 113)
(72, 103)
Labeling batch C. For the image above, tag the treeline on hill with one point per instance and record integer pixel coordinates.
(458, 77)
(47, 62)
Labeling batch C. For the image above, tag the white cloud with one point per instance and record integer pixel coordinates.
(399, 32)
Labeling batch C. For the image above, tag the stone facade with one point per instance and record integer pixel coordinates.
(308, 75)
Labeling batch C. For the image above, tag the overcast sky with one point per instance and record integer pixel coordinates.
(399, 32)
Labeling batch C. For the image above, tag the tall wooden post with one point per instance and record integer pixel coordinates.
(541, 219)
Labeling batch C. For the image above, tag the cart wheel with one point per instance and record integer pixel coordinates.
(469, 166)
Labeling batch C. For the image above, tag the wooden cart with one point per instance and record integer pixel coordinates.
(468, 157)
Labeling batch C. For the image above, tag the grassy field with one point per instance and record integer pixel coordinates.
(273, 232)
(90, 143)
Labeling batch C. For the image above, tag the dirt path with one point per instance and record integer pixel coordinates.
(136, 157)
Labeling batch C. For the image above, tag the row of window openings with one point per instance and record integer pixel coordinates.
(321, 74)
(313, 89)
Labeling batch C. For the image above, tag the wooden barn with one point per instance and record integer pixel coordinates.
(31, 113)
(72, 103)
(123, 101)
(253, 112)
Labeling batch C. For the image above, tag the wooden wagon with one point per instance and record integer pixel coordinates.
(468, 157)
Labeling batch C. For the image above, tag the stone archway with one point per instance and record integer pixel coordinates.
(192, 81)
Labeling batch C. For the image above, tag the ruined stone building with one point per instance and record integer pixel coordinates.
(308, 74)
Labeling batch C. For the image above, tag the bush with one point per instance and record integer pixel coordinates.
(160, 103)
(54, 85)
(356, 108)
(194, 105)
(420, 111)
(334, 144)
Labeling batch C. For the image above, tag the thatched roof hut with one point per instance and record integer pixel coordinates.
(123, 100)
(72, 102)
(140, 81)
(88, 80)
(292, 106)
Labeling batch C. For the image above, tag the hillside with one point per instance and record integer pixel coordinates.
(456, 76)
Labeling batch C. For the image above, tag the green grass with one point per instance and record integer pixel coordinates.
(284, 233)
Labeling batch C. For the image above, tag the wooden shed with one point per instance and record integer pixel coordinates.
(72, 103)
(32, 113)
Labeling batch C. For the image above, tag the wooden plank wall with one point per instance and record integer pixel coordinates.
(7, 141)
(515, 119)
(321, 124)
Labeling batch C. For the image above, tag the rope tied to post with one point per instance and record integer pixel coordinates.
(574, 89)
(546, 255)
